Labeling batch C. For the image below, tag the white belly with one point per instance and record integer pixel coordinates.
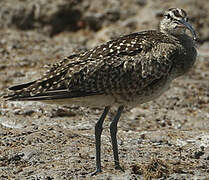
(88, 101)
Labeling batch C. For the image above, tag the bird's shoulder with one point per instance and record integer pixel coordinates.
(131, 44)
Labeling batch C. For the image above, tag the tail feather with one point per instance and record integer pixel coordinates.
(50, 95)
(21, 86)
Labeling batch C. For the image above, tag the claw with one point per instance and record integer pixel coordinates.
(96, 172)
(118, 167)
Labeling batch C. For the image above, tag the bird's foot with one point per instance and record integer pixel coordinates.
(96, 172)
(118, 167)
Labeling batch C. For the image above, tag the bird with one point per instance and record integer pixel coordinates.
(123, 72)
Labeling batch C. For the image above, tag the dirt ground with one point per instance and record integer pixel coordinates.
(167, 138)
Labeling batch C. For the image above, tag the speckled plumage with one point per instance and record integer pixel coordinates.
(130, 70)
(128, 65)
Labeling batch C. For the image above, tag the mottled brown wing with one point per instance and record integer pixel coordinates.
(118, 74)
(133, 62)
(129, 62)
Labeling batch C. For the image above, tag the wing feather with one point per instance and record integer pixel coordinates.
(129, 63)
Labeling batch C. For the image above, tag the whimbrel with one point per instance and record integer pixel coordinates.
(127, 71)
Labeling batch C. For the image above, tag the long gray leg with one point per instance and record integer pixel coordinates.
(98, 132)
(113, 133)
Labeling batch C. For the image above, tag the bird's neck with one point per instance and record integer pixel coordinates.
(181, 37)
(186, 40)
(187, 55)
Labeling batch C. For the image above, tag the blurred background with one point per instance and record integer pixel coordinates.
(166, 138)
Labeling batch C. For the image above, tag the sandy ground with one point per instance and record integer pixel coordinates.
(167, 138)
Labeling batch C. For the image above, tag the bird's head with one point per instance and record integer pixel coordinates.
(175, 21)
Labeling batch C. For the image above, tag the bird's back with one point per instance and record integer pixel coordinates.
(121, 67)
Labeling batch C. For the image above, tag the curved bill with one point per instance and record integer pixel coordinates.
(188, 26)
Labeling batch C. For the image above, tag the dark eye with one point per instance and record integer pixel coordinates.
(168, 16)
(186, 19)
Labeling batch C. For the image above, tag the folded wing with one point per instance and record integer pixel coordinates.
(122, 65)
